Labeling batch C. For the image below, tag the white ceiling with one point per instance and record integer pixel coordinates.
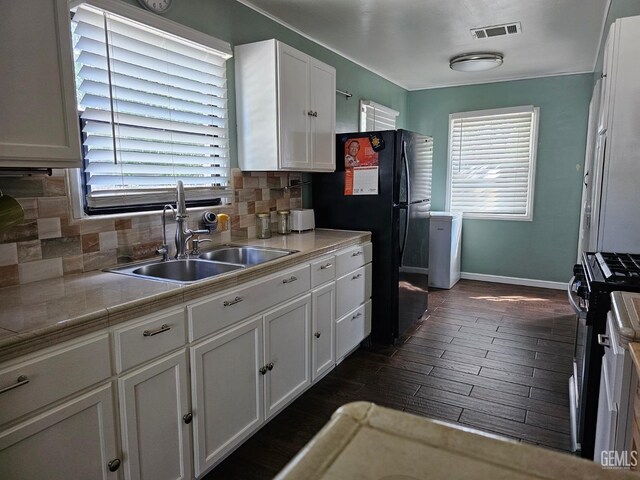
(410, 42)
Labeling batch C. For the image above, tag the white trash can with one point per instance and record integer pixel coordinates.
(445, 241)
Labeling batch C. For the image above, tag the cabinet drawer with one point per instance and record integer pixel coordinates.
(53, 375)
(211, 315)
(352, 258)
(352, 329)
(323, 270)
(149, 339)
(352, 290)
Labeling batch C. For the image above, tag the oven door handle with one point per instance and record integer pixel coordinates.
(572, 301)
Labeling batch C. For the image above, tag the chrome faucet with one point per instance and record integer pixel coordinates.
(183, 235)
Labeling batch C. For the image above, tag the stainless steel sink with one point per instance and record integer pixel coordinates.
(178, 271)
(245, 255)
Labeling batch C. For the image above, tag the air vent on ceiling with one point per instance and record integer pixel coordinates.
(496, 30)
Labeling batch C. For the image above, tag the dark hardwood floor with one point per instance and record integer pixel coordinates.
(489, 356)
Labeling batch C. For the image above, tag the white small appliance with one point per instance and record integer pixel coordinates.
(302, 219)
(445, 234)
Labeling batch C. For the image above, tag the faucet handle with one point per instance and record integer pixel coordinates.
(200, 232)
(164, 251)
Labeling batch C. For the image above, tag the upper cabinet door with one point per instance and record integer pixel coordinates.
(295, 112)
(285, 108)
(323, 121)
(607, 79)
(39, 122)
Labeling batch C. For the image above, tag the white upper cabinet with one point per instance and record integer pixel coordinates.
(38, 117)
(285, 107)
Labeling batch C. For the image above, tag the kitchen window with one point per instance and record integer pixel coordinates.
(374, 117)
(153, 110)
(491, 168)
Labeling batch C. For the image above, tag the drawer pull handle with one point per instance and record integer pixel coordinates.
(355, 254)
(228, 303)
(22, 380)
(357, 315)
(270, 366)
(604, 340)
(290, 279)
(151, 333)
(328, 265)
(355, 277)
(187, 418)
(114, 465)
(317, 334)
(263, 370)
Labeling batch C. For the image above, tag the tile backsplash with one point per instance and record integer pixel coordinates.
(50, 243)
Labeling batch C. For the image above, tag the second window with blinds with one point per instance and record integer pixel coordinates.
(491, 167)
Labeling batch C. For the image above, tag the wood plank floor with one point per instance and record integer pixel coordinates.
(493, 357)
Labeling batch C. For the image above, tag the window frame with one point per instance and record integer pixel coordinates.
(362, 119)
(75, 177)
(533, 151)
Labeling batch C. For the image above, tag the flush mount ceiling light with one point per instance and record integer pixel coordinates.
(475, 62)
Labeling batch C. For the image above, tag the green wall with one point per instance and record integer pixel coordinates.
(237, 24)
(546, 247)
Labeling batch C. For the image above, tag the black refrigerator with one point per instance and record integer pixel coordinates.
(399, 298)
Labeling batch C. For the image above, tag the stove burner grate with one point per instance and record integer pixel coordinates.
(620, 267)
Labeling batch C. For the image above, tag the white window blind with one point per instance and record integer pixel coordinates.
(374, 117)
(153, 110)
(492, 162)
(423, 173)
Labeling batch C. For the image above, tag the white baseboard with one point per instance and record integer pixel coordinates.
(421, 270)
(529, 282)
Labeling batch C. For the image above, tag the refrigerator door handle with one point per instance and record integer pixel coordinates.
(405, 205)
(405, 163)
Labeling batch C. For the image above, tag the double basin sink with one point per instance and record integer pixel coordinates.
(208, 264)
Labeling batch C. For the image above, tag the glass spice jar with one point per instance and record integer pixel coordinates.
(284, 222)
(263, 227)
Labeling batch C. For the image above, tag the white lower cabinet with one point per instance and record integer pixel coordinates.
(155, 414)
(184, 403)
(227, 390)
(323, 352)
(287, 353)
(352, 329)
(74, 440)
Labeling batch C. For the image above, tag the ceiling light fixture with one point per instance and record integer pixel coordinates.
(475, 62)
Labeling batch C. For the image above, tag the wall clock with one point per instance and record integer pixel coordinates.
(157, 6)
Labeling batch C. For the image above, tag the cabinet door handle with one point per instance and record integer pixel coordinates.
(270, 366)
(22, 380)
(324, 267)
(151, 333)
(263, 370)
(187, 418)
(355, 254)
(228, 303)
(317, 334)
(604, 340)
(355, 277)
(114, 465)
(357, 315)
(290, 279)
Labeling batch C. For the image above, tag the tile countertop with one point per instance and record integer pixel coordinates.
(364, 441)
(626, 306)
(39, 314)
